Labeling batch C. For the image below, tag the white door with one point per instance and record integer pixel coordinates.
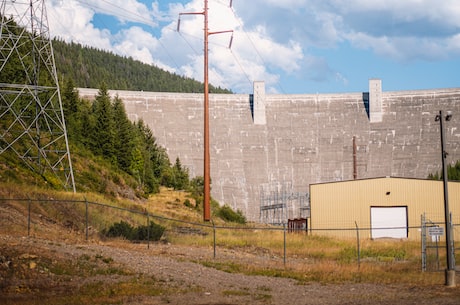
(389, 222)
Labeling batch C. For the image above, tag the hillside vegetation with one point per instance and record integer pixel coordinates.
(111, 155)
(89, 68)
(59, 247)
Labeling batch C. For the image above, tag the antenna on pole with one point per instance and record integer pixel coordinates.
(207, 166)
(32, 124)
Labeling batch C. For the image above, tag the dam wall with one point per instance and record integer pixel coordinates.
(259, 142)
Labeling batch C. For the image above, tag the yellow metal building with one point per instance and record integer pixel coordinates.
(381, 207)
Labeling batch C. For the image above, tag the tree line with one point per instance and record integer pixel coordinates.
(89, 67)
(453, 173)
(102, 126)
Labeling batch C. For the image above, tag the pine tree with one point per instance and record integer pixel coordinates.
(181, 176)
(124, 137)
(69, 98)
(103, 135)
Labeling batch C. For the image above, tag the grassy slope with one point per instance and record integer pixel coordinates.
(311, 258)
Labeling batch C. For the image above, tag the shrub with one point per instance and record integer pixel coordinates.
(226, 213)
(142, 232)
(188, 204)
(152, 232)
(120, 229)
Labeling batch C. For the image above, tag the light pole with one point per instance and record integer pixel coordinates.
(450, 269)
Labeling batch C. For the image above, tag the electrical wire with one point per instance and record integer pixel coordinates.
(116, 10)
(241, 67)
(128, 14)
(257, 51)
(119, 12)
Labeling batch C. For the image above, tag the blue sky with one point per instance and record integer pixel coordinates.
(295, 46)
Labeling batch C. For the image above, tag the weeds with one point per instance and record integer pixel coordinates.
(123, 229)
(308, 257)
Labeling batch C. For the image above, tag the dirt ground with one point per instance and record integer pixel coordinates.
(36, 271)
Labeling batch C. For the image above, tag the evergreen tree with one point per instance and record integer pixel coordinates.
(89, 67)
(124, 137)
(103, 135)
(12, 71)
(453, 173)
(158, 156)
(69, 99)
(148, 148)
(85, 124)
(102, 126)
(181, 176)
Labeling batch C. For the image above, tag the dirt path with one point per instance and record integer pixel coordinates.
(184, 281)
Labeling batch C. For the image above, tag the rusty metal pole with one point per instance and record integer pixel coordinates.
(206, 157)
(207, 166)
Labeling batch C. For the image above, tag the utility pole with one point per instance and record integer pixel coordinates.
(206, 157)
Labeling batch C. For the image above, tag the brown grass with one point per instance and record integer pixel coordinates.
(257, 251)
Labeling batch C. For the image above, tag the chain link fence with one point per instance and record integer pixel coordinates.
(92, 219)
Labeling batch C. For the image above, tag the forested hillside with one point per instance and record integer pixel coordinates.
(89, 68)
(109, 147)
(103, 129)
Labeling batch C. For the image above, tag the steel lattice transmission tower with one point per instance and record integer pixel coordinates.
(32, 121)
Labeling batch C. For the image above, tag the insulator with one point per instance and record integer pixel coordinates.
(231, 41)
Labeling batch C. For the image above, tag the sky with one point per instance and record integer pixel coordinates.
(294, 46)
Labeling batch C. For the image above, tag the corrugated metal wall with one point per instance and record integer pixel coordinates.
(335, 207)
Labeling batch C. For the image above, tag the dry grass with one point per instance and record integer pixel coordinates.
(262, 250)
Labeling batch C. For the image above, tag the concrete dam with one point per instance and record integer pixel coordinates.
(266, 149)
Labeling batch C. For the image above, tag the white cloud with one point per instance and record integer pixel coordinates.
(136, 43)
(72, 22)
(271, 37)
(124, 10)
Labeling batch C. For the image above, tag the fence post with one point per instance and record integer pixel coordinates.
(284, 233)
(452, 240)
(148, 230)
(424, 241)
(359, 249)
(28, 217)
(214, 236)
(86, 218)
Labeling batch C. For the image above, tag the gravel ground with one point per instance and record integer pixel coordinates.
(190, 282)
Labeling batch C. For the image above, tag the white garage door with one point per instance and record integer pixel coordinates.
(389, 222)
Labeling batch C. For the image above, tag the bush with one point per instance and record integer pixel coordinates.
(120, 229)
(226, 213)
(188, 204)
(142, 232)
(152, 232)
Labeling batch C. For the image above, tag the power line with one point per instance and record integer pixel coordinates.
(255, 48)
(140, 19)
(119, 12)
(106, 7)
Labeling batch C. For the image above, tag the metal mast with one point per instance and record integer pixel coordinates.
(207, 158)
(32, 124)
